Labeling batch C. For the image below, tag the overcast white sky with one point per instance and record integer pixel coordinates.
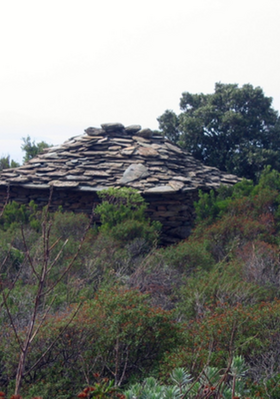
(70, 64)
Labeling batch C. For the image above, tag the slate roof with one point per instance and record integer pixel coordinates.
(114, 155)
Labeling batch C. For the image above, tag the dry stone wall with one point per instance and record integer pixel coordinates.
(114, 156)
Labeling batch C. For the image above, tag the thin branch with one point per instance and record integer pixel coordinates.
(200, 374)
(53, 342)
(231, 352)
(57, 256)
(11, 288)
(12, 321)
(15, 279)
(55, 244)
(72, 260)
(124, 369)
(43, 319)
(28, 254)
(5, 259)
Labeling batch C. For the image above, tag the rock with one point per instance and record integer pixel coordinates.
(59, 183)
(113, 156)
(147, 152)
(114, 148)
(57, 173)
(77, 178)
(176, 185)
(24, 179)
(134, 172)
(141, 139)
(146, 133)
(96, 173)
(50, 155)
(94, 131)
(9, 175)
(182, 178)
(112, 127)
(132, 129)
(173, 148)
(121, 141)
(128, 151)
(160, 189)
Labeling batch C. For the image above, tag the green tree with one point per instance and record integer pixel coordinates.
(234, 129)
(6, 163)
(31, 148)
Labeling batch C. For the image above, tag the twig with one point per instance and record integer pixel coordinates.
(12, 321)
(53, 342)
(72, 260)
(27, 253)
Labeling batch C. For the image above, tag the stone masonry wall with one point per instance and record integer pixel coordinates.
(175, 212)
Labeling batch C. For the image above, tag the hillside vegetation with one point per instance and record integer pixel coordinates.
(110, 311)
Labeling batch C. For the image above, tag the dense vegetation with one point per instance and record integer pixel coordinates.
(234, 129)
(107, 312)
(109, 309)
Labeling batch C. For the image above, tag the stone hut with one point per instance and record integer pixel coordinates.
(167, 176)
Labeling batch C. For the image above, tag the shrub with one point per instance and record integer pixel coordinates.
(188, 256)
(122, 216)
(226, 284)
(258, 198)
(118, 335)
(119, 205)
(131, 229)
(15, 215)
(250, 331)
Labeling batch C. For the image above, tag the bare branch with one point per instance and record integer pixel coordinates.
(11, 320)
(43, 319)
(72, 260)
(28, 254)
(54, 341)
(57, 256)
(11, 288)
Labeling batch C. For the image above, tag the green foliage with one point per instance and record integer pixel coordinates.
(6, 163)
(132, 229)
(234, 129)
(269, 179)
(215, 204)
(117, 334)
(15, 215)
(249, 331)
(122, 216)
(211, 383)
(188, 256)
(242, 198)
(32, 149)
(119, 205)
(69, 225)
(267, 387)
(199, 310)
(104, 388)
(224, 284)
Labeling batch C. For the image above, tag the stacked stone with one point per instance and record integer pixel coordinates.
(115, 156)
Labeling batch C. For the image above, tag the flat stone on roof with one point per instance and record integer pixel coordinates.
(115, 154)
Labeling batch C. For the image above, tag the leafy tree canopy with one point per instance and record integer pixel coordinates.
(31, 148)
(6, 163)
(234, 129)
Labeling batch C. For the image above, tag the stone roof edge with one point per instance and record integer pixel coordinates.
(155, 191)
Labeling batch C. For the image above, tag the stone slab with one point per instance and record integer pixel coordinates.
(134, 172)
